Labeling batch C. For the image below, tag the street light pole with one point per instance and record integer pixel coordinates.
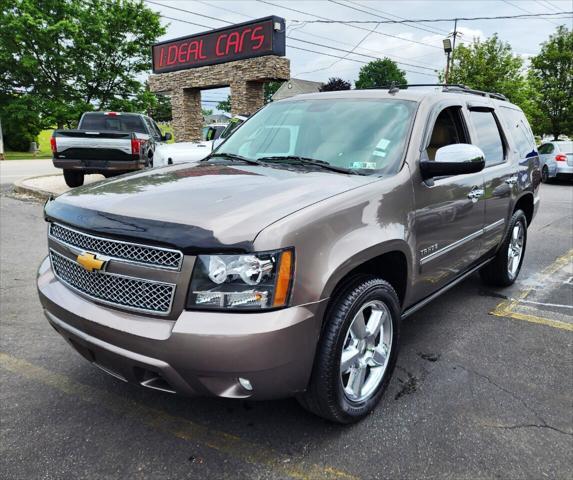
(448, 49)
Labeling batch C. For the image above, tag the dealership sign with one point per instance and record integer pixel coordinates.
(265, 36)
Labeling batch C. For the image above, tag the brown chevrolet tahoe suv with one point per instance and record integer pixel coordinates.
(283, 264)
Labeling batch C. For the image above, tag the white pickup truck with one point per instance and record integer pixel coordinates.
(109, 143)
(167, 154)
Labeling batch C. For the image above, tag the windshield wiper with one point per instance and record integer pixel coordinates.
(232, 156)
(308, 161)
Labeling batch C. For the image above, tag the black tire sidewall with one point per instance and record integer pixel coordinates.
(73, 179)
(544, 174)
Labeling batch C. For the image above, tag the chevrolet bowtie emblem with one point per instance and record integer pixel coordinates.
(90, 262)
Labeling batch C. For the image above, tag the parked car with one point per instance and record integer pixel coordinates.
(109, 143)
(283, 264)
(556, 159)
(190, 152)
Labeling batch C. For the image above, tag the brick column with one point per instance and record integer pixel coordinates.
(246, 97)
(187, 114)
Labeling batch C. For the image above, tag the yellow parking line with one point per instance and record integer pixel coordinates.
(176, 426)
(507, 307)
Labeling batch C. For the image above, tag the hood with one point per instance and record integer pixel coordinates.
(211, 205)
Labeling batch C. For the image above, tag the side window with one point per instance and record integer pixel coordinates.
(448, 129)
(487, 136)
(519, 130)
(546, 148)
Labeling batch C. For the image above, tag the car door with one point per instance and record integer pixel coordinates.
(449, 210)
(500, 172)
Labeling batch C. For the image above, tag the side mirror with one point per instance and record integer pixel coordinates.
(167, 137)
(456, 159)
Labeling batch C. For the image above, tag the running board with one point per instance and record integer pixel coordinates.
(444, 289)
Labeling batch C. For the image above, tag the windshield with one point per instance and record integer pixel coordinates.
(357, 134)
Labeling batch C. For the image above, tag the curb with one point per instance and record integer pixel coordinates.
(38, 193)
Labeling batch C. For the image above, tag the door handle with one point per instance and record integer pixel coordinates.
(476, 193)
(511, 180)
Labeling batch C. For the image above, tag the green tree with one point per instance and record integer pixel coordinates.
(488, 65)
(270, 88)
(380, 73)
(225, 105)
(334, 84)
(70, 56)
(551, 77)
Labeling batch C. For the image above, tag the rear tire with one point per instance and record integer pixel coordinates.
(73, 179)
(503, 270)
(357, 351)
(545, 174)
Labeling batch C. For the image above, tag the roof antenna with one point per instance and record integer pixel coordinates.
(393, 88)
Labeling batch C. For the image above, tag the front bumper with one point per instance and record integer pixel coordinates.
(198, 354)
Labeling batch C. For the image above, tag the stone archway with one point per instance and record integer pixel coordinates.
(245, 77)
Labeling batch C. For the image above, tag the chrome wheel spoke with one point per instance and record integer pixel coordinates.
(379, 356)
(358, 327)
(356, 380)
(374, 324)
(349, 358)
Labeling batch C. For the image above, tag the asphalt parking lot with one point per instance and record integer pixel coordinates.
(483, 388)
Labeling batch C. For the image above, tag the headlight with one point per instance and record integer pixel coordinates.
(241, 282)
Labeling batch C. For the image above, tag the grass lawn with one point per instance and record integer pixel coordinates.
(44, 150)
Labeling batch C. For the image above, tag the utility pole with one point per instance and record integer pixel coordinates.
(449, 47)
(454, 34)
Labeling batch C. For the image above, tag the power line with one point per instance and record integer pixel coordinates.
(379, 16)
(539, 16)
(379, 52)
(525, 10)
(304, 41)
(328, 20)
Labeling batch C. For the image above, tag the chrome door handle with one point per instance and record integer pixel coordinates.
(476, 193)
(511, 180)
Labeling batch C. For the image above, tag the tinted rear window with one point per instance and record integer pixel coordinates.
(546, 148)
(121, 123)
(518, 128)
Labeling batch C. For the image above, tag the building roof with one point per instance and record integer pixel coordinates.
(295, 86)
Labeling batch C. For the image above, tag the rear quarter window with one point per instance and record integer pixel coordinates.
(546, 148)
(518, 129)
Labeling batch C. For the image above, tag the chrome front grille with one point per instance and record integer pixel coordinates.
(129, 252)
(117, 290)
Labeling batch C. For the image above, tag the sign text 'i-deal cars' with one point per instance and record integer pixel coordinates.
(265, 36)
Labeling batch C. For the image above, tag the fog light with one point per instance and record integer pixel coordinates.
(246, 384)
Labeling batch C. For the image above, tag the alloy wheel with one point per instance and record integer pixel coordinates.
(366, 351)
(515, 249)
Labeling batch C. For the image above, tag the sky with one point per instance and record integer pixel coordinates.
(418, 45)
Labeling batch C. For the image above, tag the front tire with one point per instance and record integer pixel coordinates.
(357, 351)
(503, 270)
(73, 179)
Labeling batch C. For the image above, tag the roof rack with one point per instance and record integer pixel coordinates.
(446, 87)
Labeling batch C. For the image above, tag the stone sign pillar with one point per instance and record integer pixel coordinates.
(246, 97)
(245, 77)
(187, 113)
